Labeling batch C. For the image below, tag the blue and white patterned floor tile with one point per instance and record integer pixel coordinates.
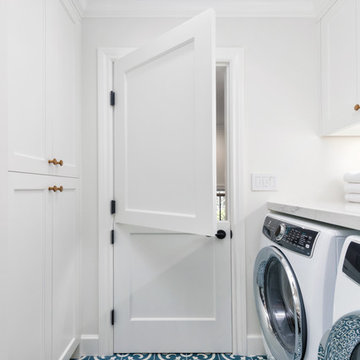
(171, 356)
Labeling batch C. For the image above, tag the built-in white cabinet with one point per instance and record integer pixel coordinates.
(340, 47)
(44, 96)
(43, 52)
(43, 272)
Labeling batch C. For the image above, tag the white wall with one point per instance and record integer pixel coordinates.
(282, 111)
(3, 180)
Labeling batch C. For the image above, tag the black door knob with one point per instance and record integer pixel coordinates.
(221, 234)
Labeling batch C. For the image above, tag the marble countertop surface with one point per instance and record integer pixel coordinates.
(341, 213)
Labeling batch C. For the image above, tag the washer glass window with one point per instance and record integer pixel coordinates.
(279, 299)
(279, 305)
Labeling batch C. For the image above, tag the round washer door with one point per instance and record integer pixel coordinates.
(279, 305)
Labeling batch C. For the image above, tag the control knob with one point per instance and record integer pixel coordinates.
(280, 232)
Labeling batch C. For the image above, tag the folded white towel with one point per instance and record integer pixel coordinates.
(353, 198)
(352, 177)
(352, 188)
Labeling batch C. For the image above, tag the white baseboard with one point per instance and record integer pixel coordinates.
(89, 345)
(70, 349)
(255, 345)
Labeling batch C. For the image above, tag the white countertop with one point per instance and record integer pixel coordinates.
(341, 214)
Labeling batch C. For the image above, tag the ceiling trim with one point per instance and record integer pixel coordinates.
(185, 9)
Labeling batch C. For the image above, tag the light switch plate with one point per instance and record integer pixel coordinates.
(263, 182)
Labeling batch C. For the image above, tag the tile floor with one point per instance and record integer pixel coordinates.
(173, 357)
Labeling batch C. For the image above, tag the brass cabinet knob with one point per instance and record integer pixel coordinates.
(55, 188)
(55, 162)
(357, 107)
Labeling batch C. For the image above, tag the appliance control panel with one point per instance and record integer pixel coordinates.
(292, 237)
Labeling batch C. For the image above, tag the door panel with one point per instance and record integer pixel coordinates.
(65, 271)
(28, 134)
(29, 248)
(62, 100)
(164, 174)
(339, 66)
(172, 291)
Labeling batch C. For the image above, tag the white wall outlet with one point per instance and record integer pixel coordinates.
(263, 182)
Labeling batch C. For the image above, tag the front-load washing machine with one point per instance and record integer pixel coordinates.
(342, 342)
(294, 279)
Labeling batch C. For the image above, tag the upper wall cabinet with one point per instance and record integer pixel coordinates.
(44, 82)
(340, 69)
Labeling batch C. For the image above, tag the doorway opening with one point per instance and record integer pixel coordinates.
(221, 143)
(172, 290)
(229, 180)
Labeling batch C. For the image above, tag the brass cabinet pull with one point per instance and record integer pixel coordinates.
(55, 188)
(357, 107)
(55, 162)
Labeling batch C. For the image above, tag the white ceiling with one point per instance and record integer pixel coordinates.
(187, 8)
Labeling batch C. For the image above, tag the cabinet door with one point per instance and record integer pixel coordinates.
(29, 256)
(65, 271)
(28, 133)
(62, 86)
(339, 67)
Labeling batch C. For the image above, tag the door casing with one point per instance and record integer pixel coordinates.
(233, 58)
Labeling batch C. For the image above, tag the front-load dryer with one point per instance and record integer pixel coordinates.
(342, 342)
(294, 279)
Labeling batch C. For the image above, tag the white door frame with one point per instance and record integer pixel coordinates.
(234, 59)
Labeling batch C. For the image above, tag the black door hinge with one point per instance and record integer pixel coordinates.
(112, 237)
(112, 98)
(112, 317)
(113, 207)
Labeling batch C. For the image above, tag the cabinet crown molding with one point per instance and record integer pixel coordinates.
(187, 8)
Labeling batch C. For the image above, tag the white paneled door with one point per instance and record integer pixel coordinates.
(165, 131)
(172, 287)
(172, 291)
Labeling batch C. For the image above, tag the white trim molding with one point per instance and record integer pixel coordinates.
(255, 344)
(89, 345)
(233, 58)
(187, 8)
(106, 56)
(73, 9)
(69, 351)
(323, 6)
